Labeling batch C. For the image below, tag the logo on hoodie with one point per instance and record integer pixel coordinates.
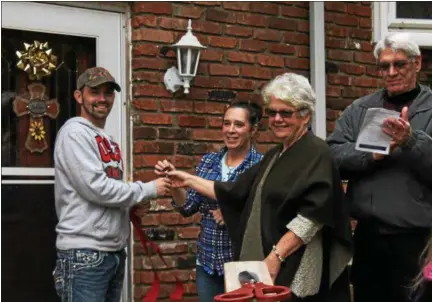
(111, 157)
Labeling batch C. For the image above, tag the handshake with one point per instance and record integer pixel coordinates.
(169, 178)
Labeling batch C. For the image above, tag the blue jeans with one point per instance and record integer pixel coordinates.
(84, 275)
(207, 285)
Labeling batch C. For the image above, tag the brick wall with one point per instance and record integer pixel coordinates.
(248, 44)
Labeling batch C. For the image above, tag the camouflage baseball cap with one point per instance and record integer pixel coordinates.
(96, 76)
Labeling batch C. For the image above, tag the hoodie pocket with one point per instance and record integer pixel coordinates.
(101, 223)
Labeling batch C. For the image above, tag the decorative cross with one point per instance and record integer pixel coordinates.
(36, 104)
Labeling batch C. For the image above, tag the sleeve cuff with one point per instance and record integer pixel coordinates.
(304, 228)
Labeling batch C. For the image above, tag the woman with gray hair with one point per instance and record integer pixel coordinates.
(288, 210)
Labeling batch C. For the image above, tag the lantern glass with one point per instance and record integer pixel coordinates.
(188, 59)
(194, 61)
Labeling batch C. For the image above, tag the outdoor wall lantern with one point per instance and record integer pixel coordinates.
(188, 54)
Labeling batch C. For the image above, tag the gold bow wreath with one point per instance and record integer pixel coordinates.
(37, 60)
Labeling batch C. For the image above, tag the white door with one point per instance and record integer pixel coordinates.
(80, 38)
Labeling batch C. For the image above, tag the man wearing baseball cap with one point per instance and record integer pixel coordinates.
(92, 200)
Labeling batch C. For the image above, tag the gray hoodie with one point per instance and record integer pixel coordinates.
(92, 200)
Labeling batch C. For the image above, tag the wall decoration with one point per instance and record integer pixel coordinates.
(37, 60)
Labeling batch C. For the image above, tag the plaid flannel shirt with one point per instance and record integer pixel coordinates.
(213, 246)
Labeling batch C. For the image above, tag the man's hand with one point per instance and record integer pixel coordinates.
(217, 215)
(398, 129)
(163, 186)
(273, 265)
(162, 167)
(178, 178)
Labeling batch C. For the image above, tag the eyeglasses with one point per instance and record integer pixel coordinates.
(397, 65)
(282, 113)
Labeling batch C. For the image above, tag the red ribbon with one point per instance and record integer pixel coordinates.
(154, 290)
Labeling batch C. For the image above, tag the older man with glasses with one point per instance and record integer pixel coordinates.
(390, 195)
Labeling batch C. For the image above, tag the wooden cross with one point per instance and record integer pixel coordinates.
(36, 104)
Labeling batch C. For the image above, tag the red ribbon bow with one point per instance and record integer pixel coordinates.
(154, 290)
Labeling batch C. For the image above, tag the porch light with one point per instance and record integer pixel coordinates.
(188, 54)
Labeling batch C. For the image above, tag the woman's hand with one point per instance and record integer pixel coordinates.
(162, 167)
(179, 179)
(273, 265)
(217, 216)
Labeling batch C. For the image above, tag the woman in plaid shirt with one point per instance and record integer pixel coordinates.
(240, 124)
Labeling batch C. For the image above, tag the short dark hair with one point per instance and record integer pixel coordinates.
(255, 111)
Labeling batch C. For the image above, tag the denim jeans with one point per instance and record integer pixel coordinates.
(207, 285)
(84, 275)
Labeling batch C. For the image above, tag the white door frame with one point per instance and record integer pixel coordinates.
(109, 30)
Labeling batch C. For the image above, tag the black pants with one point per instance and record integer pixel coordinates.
(385, 265)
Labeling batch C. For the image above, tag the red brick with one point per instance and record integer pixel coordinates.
(301, 3)
(149, 63)
(143, 146)
(354, 69)
(346, 20)
(207, 3)
(191, 121)
(143, 175)
(150, 90)
(338, 79)
(241, 84)
(364, 57)
(296, 12)
(211, 55)
(149, 21)
(282, 48)
(265, 8)
(359, 10)
(335, 43)
(333, 91)
(274, 61)
(255, 72)
(210, 82)
(247, 96)
(336, 31)
(148, 76)
(207, 27)
(144, 132)
(174, 219)
(174, 133)
(153, 35)
(340, 55)
(172, 23)
(372, 71)
(150, 220)
(365, 82)
(149, 160)
(302, 51)
(222, 42)
(145, 104)
(198, 94)
(220, 69)
(296, 63)
(240, 57)
(145, 49)
(157, 8)
(236, 5)
(335, 6)
(173, 275)
(238, 31)
(303, 26)
(218, 15)
(173, 247)
(254, 20)
(296, 38)
(206, 135)
(253, 45)
(283, 24)
(176, 106)
(214, 121)
(365, 22)
(209, 107)
(366, 46)
(361, 34)
(265, 137)
(156, 119)
(189, 12)
(202, 69)
(267, 35)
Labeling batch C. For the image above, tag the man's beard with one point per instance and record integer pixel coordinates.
(93, 112)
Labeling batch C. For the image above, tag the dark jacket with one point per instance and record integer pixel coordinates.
(397, 190)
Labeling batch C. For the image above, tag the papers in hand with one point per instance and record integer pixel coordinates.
(372, 137)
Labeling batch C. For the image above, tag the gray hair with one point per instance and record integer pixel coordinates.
(398, 42)
(294, 89)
